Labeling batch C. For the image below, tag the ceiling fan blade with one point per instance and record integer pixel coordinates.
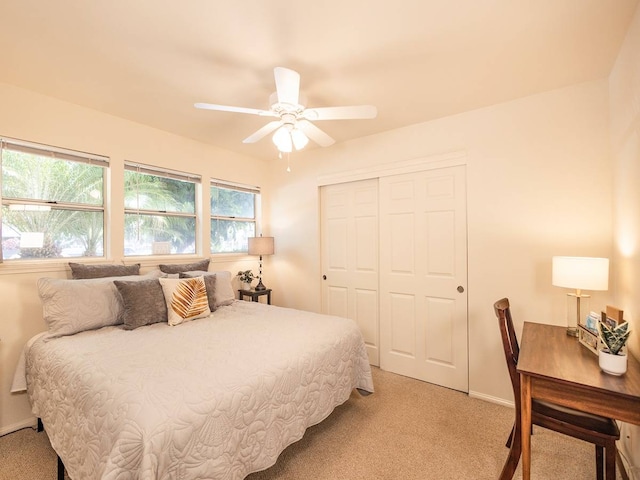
(287, 85)
(263, 132)
(315, 134)
(341, 113)
(226, 108)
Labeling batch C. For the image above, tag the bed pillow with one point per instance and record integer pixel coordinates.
(143, 303)
(209, 283)
(72, 306)
(84, 271)
(186, 299)
(185, 267)
(223, 293)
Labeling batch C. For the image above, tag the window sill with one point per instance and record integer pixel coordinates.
(13, 267)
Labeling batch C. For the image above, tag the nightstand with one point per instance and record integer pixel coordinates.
(254, 294)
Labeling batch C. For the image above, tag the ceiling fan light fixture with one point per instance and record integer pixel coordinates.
(294, 127)
(300, 140)
(282, 140)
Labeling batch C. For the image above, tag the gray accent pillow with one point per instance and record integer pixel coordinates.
(143, 303)
(81, 271)
(223, 292)
(186, 267)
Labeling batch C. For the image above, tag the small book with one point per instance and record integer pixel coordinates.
(591, 322)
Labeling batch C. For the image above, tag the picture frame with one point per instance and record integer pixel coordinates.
(610, 321)
(614, 314)
(589, 339)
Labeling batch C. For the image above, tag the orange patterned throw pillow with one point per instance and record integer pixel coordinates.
(186, 299)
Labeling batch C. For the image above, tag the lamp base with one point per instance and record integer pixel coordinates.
(572, 331)
(577, 308)
(260, 287)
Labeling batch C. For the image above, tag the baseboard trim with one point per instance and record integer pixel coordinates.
(30, 422)
(625, 468)
(491, 399)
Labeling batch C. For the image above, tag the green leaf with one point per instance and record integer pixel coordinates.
(614, 338)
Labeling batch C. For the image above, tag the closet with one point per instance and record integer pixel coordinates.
(394, 259)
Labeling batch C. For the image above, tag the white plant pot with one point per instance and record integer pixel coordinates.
(246, 286)
(612, 364)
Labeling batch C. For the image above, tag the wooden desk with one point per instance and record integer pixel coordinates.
(556, 368)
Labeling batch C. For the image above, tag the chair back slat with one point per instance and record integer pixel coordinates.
(510, 345)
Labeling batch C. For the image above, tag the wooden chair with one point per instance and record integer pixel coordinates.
(602, 432)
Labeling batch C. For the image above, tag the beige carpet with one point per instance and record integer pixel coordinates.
(407, 430)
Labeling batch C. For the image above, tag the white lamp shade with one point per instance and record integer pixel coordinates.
(261, 246)
(300, 140)
(581, 273)
(282, 140)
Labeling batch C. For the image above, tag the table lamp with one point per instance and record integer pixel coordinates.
(579, 273)
(260, 246)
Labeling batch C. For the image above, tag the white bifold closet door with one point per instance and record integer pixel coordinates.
(423, 276)
(394, 259)
(349, 245)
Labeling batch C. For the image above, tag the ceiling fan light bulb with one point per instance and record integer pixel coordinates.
(282, 140)
(300, 140)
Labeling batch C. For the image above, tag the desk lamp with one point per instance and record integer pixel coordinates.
(260, 246)
(579, 273)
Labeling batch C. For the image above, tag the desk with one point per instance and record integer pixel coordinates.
(556, 368)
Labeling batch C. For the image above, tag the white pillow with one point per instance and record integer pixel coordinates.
(186, 299)
(224, 294)
(72, 306)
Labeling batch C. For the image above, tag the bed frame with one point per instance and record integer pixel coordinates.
(40, 428)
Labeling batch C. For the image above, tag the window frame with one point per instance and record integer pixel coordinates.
(257, 210)
(61, 154)
(152, 170)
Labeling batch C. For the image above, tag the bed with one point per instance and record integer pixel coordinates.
(218, 397)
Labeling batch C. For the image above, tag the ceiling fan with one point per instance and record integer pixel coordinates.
(293, 129)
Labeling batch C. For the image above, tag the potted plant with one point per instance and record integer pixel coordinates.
(613, 359)
(246, 277)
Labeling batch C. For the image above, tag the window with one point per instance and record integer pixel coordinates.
(233, 216)
(52, 202)
(160, 214)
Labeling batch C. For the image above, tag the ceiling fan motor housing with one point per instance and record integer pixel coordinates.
(281, 108)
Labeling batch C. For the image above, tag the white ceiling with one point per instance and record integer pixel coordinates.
(150, 60)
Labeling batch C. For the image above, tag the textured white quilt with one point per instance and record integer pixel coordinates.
(214, 398)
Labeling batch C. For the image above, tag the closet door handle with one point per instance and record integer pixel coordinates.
(460, 289)
(324, 277)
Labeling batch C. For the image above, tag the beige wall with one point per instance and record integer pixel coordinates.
(538, 185)
(28, 116)
(624, 93)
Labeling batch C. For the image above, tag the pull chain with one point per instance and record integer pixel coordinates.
(288, 160)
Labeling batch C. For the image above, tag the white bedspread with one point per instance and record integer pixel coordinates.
(215, 398)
